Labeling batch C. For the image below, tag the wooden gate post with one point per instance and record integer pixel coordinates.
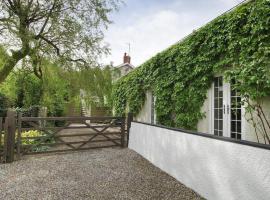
(129, 120)
(19, 135)
(123, 124)
(10, 136)
(1, 140)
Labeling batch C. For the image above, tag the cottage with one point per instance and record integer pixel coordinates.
(126, 66)
(216, 80)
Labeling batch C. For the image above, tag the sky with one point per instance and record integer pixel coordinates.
(150, 26)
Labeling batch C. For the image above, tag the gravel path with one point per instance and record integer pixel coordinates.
(110, 173)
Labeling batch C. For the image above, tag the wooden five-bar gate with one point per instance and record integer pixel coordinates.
(35, 135)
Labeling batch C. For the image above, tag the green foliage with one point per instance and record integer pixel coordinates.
(56, 89)
(31, 133)
(36, 141)
(97, 85)
(28, 89)
(22, 88)
(237, 43)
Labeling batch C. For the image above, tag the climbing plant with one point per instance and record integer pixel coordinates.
(236, 43)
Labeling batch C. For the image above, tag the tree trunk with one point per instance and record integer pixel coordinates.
(10, 63)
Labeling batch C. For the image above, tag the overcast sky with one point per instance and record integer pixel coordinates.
(153, 25)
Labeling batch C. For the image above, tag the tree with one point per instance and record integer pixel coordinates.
(67, 29)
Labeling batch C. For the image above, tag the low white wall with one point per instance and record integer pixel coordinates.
(214, 168)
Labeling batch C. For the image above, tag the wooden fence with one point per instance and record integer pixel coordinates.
(59, 134)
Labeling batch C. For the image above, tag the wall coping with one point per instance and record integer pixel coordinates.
(226, 139)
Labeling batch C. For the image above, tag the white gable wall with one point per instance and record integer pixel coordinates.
(145, 113)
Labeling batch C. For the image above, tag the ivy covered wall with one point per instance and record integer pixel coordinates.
(236, 44)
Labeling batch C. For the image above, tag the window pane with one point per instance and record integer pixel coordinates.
(216, 102)
(220, 93)
(233, 93)
(220, 81)
(215, 82)
(238, 102)
(216, 92)
(239, 127)
(220, 125)
(220, 113)
(233, 126)
(220, 133)
(216, 113)
(239, 136)
(233, 115)
(238, 114)
(216, 124)
(220, 103)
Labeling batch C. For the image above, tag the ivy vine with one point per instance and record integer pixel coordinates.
(236, 43)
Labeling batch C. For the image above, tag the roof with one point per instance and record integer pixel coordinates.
(126, 64)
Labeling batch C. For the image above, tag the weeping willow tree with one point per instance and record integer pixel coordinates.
(96, 85)
(59, 86)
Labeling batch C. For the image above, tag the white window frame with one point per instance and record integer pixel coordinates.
(227, 115)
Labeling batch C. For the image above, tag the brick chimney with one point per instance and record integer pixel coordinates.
(126, 58)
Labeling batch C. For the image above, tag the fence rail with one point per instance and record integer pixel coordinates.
(59, 134)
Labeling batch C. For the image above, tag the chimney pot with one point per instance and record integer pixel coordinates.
(126, 58)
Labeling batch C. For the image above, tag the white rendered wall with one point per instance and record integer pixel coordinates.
(216, 169)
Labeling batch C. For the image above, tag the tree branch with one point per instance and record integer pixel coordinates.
(77, 60)
(47, 19)
(50, 43)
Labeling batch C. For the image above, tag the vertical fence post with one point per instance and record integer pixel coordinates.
(123, 132)
(5, 128)
(10, 136)
(1, 128)
(129, 120)
(19, 135)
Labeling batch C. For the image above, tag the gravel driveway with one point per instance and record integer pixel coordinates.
(110, 173)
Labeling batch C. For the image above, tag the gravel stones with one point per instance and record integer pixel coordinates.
(110, 173)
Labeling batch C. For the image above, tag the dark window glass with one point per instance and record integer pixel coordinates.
(216, 103)
(220, 93)
(220, 81)
(220, 103)
(220, 133)
(220, 124)
(233, 126)
(216, 113)
(239, 136)
(216, 82)
(216, 124)
(239, 126)
(233, 93)
(233, 115)
(220, 113)
(238, 114)
(216, 92)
